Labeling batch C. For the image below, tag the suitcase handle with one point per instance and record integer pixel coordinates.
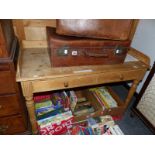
(105, 55)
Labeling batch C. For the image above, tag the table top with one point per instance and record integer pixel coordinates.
(34, 64)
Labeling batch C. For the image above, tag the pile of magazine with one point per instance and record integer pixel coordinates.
(103, 125)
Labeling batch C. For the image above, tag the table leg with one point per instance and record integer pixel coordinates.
(28, 94)
(131, 93)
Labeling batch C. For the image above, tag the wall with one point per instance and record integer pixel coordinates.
(144, 41)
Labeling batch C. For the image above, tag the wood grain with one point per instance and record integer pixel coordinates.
(133, 29)
(39, 22)
(8, 127)
(7, 83)
(131, 92)
(35, 33)
(36, 65)
(9, 105)
(140, 56)
(19, 29)
(28, 94)
(32, 32)
(34, 44)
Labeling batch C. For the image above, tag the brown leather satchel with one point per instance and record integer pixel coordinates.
(74, 51)
(114, 29)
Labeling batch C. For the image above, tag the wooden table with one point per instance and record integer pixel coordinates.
(35, 74)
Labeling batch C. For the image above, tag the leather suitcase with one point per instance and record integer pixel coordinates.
(73, 51)
(115, 29)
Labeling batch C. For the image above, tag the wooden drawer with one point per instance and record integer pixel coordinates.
(7, 83)
(4, 66)
(9, 104)
(12, 125)
(63, 83)
(86, 80)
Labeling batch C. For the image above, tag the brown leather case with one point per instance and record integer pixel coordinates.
(115, 29)
(73, 51)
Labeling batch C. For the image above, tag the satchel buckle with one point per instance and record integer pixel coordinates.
(63, 51)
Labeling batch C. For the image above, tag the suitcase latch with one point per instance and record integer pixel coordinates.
(63, 51)
(118, 50)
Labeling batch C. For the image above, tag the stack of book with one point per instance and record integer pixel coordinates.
(46, 108)
(53, 113)
(104, 97)
(56, 125)
(51, 105)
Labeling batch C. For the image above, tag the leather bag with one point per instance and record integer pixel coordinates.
(114, 29)
(74, 51)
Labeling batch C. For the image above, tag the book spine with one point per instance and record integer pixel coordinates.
(73, 100)
(98, 94)
(54, 119)
(99, 100)
(118, 130)
(112, 131)
(103, 99)
(107, 97)
(43, 104)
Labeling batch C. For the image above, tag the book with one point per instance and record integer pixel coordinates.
(99, 100)
(73, 100)
(101, 124)
(57, 128)
(54, 119)
(49, 113)
(99, 96)
(108, 120)
(43, 104)
(107, 97)
(84, 111)
(113, 132)
(103, 95)
(66, 100)
(57, 98)
(40, 98)
(103, 98)
(118, 130)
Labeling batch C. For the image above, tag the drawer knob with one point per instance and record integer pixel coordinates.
(65, 84)
(121, 77)
(0, 106)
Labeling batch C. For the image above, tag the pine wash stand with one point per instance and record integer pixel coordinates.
(35, 74)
